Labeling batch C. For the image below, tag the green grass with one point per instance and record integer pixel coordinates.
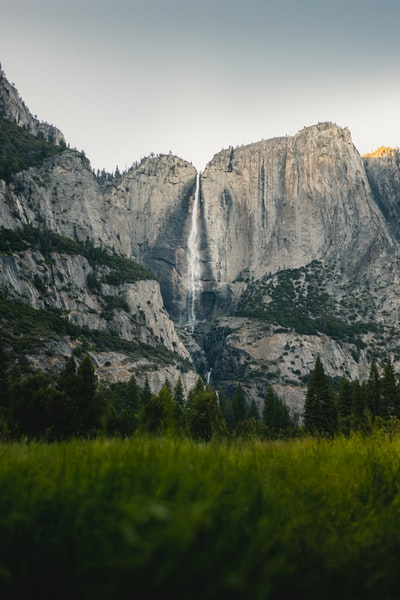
(135, 519)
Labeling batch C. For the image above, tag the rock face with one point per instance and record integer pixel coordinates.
(298, 246)
(134, 312)
(143, 215)
(282, 203)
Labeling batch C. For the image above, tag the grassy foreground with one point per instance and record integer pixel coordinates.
(148, 517)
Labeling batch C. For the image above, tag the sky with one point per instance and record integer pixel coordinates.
(125, 78)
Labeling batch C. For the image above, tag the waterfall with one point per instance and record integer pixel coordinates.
(194, 258)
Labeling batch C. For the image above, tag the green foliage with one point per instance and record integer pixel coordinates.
(307, 519)
(20, 150)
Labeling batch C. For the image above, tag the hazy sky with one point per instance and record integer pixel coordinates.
(123, 78)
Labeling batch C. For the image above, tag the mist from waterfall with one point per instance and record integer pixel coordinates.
(194, 258)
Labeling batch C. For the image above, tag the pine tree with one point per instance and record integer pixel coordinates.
(158, 413)
(390, 394)
(199, 387)
(133, 395)
(276, 415)
(87, 380)
(204, 416)
(344, 406)
(146, 392)
(268, 410)
(374, 391)
(29, 411)
(4, 389)
(179, 394)
(359, 401)
(67, 381)
(253, 411)
(344, 399)
(226, 409)
(90, 406)
(239, 406)
(319, 407)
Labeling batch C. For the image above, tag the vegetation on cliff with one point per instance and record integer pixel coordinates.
(20, 150)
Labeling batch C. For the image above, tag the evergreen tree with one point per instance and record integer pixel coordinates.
(67, 381)
(390, 394)
(86, 407)
(226, 409)
(359, 401)
(87, 380)
(199, 387)
(133, 395)
(29, 414)
(268, 410)
(90, 409)
(205, 416)
(158, 414)
(276, 417)
(344, 406)
(4, 390)
(319, 407)
(253, 411)
(374, 391)
(167, 384)
(179, 394)
(146, 392)
(239, 406)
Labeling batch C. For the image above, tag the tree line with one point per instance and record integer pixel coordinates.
(354, 405)
(75, 404)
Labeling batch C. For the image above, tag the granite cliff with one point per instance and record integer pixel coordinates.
(297, 250)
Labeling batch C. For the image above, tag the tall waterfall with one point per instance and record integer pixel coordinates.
(194, 258)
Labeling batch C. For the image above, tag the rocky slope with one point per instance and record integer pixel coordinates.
(298, 246)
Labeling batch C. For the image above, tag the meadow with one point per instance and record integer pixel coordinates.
(149, 517)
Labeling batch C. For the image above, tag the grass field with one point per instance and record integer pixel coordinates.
(146, 518)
